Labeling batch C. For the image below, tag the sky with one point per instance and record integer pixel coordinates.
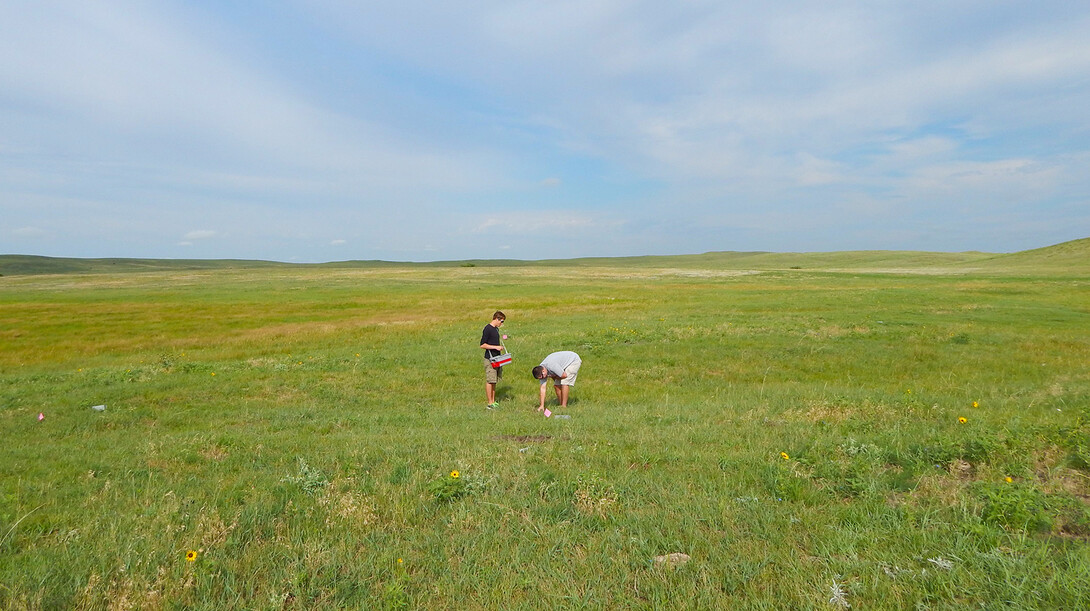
(329, 130)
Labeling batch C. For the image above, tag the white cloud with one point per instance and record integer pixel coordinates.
(133, 71)
(676, 118)
(536, 222)
(990, 181)
(28, 232)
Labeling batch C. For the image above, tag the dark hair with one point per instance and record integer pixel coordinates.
(537, 372)
(500, 315)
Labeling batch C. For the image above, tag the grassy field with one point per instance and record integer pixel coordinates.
(879, 430)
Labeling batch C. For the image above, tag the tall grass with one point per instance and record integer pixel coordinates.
(795, 433)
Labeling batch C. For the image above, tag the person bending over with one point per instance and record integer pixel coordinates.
(562, 367)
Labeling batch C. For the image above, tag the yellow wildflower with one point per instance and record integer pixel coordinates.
(455, 474)
(190, 556)
(963, 420)
(784, 456)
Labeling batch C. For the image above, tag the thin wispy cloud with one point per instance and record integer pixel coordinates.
(532, 223)
(28, 232)
(411, 130)
(200, 234)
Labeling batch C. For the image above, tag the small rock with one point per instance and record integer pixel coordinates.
(675, 559)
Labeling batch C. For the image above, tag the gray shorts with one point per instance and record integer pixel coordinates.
(492, 374)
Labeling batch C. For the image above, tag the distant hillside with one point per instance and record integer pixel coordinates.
(26, 265)
(861, 259)
(1071, 256)
(30, 265)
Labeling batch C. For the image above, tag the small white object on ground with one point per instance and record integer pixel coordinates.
(99, 408)
(675, 559)
(563, 416)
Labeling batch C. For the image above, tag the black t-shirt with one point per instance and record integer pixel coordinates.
(490, 336)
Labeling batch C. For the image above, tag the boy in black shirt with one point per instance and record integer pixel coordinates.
(490, 342)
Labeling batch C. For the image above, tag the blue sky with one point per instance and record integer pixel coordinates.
(418, 131)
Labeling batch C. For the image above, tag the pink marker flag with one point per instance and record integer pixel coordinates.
(548, 413)
(41, 416)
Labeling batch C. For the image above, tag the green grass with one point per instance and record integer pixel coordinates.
(297, 427)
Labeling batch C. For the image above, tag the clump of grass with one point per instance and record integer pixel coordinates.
(1077, 439)
(593, 495)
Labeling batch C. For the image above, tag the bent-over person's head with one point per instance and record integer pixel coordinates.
(539, 372)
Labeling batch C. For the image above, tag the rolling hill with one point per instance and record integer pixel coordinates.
(1073, 256)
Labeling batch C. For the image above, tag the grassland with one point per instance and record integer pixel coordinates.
(796, 432)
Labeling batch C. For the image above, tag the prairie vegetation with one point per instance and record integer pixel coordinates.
(879, 430)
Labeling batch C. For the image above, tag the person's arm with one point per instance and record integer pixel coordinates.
(491, 347)
(541, 398)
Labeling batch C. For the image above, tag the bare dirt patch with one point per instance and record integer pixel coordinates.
(524, 438)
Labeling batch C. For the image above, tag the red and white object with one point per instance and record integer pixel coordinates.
(501, 359)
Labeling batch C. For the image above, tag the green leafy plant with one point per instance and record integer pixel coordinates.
(1014, 506)
(449, 487)
(310, 479)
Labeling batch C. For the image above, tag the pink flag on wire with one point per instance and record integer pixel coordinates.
(41, 416)
(548, 413)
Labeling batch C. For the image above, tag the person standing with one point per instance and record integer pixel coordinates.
(562, 367)
(490, 342)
